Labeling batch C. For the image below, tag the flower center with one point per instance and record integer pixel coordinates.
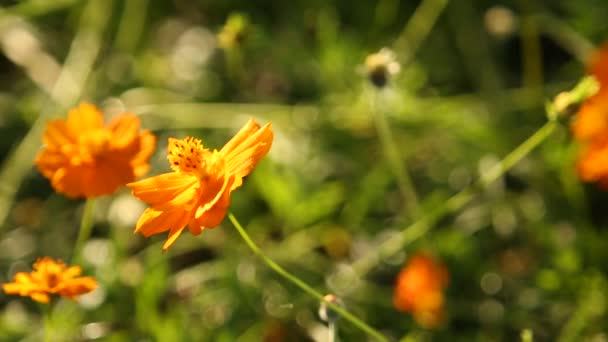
(189, 155)
(49, 273)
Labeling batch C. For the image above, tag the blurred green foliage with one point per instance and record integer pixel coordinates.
(527, 253)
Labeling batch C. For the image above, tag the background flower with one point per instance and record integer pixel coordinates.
(50, 277)
(590, 125)
(419, 290)
(83, 158)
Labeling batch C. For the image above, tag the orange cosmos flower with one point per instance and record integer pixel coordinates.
(590, 126)
(50, 277)
(419, 290)
(197, 192)
(83, 158)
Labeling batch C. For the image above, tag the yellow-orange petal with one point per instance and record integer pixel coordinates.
(124, 129)
(70, 180)
(593, 164)
(154, 222)
(86, 181)
(57, 134)
(163, 188)
(211, 218)
(591, 119)
(72, 271)
(74, 287)
(221, 199)
(11, 288)
(40, 297)
(147, 143)
(242, 153)
(86, 117)
(49, 161)
(174, 233)
(212, 213)
(598, 65)
(212, 193)
(246, 131)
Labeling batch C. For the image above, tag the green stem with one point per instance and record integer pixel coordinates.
(566, 37)
(586, 311)
(86, 227)
(304, 286)
(396, 162)
(454, 203)
(532, 54)
(46, 321)
(418, 27)
(332, 331)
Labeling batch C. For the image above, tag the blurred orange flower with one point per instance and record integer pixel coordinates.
(197, 192)
(48, 278)
(83, 158)
(419, 290)
(590, 126)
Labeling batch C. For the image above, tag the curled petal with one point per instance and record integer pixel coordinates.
(213, 212)
(246, 149)
(174, 233)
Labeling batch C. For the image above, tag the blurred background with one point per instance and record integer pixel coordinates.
(364, 145)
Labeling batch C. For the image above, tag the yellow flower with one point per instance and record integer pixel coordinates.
(419, 290)
(83, 158)
(50, 277)
(197, 193)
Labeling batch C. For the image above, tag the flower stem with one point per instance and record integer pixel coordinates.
(396, 162)
(46, 322)
(304, 286)
(418, 27)
(332, 329)
(86, 227)
(454, 203)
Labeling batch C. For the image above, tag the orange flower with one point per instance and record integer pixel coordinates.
(590, 125)
(197, 192)
(82, 158)
(50, 277)
(419, 290)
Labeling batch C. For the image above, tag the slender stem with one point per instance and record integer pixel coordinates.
(454, 203)
(585, 311)
(86, 227)
(234, 64)
(532, 53)
(46, 321)
(418, 27)
(394, 158)
(566, 37)
(331, 331)
(304, 286)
